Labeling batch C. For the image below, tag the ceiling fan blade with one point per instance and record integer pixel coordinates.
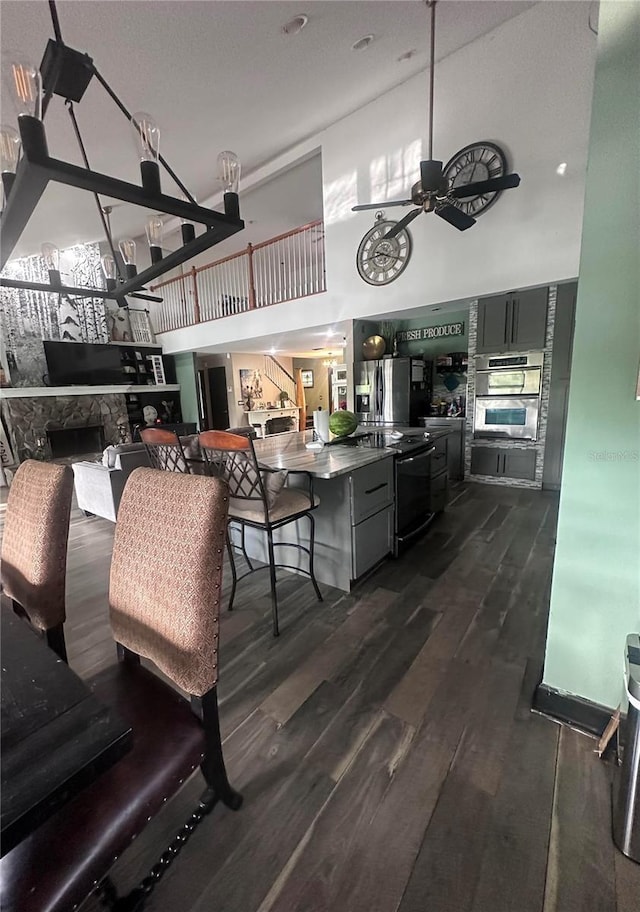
(381, 205)
(430, 175)
(402, 224)
(455, 217)
(489, 186)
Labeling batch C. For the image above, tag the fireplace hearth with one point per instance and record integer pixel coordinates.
(76, 441)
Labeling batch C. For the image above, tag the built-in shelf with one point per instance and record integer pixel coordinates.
(34, 392)
(139, 345)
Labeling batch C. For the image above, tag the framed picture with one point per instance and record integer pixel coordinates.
(307, 378)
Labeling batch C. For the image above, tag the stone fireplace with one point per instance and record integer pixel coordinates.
(75, 441)
(32, 421)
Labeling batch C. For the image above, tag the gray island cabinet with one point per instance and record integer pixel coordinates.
(354, 521)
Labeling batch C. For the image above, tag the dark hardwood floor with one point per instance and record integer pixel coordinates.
(384, 743)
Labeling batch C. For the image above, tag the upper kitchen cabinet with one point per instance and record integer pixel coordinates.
(513, 322)
(563, 331)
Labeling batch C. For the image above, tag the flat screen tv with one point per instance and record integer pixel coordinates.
(82, 363)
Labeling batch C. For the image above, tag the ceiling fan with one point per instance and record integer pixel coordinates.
(434, 192)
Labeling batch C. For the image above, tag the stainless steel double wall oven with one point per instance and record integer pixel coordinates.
(508, 389)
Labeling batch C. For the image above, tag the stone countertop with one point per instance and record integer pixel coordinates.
(288, 451)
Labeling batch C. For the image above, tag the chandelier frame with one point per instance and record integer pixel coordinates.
(67, 73)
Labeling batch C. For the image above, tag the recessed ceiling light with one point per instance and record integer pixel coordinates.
(407, 55)
(362, 43)
(294, 26)
(272, 351)
(561, 169)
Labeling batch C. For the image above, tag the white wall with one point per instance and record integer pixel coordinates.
(527, 85)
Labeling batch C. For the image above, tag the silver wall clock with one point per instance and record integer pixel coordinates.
(478, 161)
(380, 260)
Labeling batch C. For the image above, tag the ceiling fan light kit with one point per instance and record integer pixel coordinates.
(67, 73)
(464, 188)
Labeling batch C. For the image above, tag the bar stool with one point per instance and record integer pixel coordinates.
(259, 499)
(165, 450)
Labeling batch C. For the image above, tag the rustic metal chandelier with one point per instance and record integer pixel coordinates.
(67, 73)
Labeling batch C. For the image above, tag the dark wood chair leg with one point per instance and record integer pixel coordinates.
(272, 575)
(213, 768)
(234, 575)
(54, 638)
(312, 541)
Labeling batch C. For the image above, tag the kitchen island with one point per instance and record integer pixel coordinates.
(355, 518)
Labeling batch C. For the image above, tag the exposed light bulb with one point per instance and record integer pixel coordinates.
(229, 177)
(51, 257)
(9, 149)
(229, 171)
(188, 228)
(128, 250)
(561, 169)
(155, 229)
(24, 83)
(9, 155)
(110, 271)
(146, 134)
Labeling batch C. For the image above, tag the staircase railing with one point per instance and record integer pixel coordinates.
(280, 269)
(280, 376)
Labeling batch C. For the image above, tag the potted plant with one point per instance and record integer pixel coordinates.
(283, 397)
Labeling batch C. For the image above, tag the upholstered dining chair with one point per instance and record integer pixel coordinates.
(164, 600)
(165, 450)
(34, 547)
(259, 499)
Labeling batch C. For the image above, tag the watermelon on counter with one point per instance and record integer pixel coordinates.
(342, 423)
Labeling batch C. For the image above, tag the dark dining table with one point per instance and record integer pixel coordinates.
(56, 736)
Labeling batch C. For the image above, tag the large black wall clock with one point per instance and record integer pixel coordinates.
(478, 161)
(380, 260)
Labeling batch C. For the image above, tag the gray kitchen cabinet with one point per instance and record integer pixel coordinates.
(519, 464)
(455, 442)
(371, 541)
(371, 489)
(493, 315)
(485, 460)
(556, 429)
(503, 462)
(559, 388)
(512, 322)
(563, 331)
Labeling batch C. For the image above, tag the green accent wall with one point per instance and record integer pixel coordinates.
(595, 597)
(187, 378)
(429, 348)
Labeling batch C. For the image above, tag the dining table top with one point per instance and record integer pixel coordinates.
(56, 737)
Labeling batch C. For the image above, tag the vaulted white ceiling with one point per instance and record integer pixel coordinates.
(220, 75)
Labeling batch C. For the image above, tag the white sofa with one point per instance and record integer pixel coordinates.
(99, 485)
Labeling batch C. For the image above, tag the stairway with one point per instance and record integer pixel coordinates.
(279, 376)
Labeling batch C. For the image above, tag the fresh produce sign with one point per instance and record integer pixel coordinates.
(431, 332)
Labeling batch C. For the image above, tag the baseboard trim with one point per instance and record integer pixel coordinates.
(575, 711)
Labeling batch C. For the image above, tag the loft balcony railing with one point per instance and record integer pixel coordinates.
(280, 269)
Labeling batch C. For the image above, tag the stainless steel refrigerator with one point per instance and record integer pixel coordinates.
(393, 391)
